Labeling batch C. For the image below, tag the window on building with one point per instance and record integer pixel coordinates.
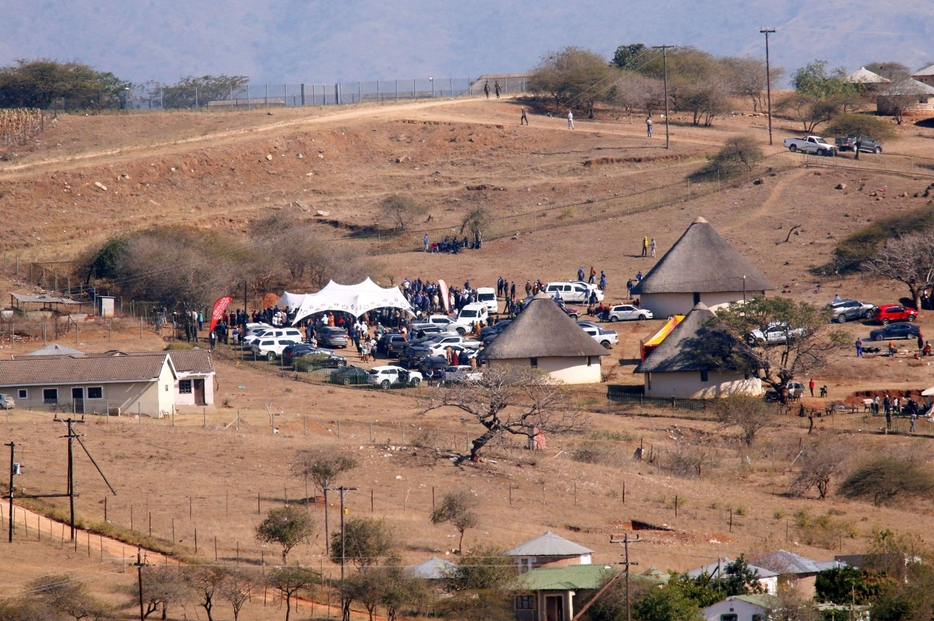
(95, 392)
(184, 387)
(729, 617)
(50, 396)
(22, 394)
(525, 602)
(703, 376)
(534, 362)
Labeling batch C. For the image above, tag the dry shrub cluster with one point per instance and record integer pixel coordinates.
(823, 531)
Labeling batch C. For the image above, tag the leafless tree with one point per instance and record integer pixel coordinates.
(323, 466)
(746, 78)
(908, 260)
(750, 414)
(401, 211)
(163, 586)
(238, 587)
(67, 596)
(511, 400)
(635, 91)
(820, 462)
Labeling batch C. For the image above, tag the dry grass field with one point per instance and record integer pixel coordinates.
(199, 471)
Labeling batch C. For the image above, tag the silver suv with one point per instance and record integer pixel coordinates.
(848, 310)
(6, 402)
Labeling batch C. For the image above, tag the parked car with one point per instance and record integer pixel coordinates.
(814, 145)
(895, 331)
(6, 402)
(848, 310)
(325, 358)
(607, 338)
(773, 334)
(495, 329)
(268, 332)
(432, 367)
(333, 337)
(628, 312)
(887, 313)
(461, 373)
(390, 345)
(349, 376)
(389, 376)
(270, 348)
(866, 145)
(470, 315)
(487, 295)
(442, 321)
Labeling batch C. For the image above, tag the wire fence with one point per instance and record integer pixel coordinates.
(881, 162)
(252, 96)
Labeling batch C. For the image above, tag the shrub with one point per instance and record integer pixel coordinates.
(885, 479)
(862, 245)
(822, 530)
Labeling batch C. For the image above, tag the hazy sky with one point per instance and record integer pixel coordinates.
(322, 41)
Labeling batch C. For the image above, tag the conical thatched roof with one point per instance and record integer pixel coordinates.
(542, 330)
(548, 544)
(675, 354)
(702, 262)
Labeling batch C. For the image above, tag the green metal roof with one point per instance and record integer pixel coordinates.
(572, 577)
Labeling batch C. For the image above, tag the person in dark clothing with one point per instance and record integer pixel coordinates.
(496, 88)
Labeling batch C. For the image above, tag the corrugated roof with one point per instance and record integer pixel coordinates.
(713, 569)
(785, 562)
(196, 361)
(542, 330)
(51, 370)
(908, 87)
(865, 76)
(433, 569)
(42, 298)
(929, 70)
(678, 352)
(548, 544)
(702, 262)
(570, 578)
(54, 349)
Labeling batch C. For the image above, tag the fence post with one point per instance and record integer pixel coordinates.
(267, 95)
(377, 92)
(397, 93)
(303, 94)
(414, 90)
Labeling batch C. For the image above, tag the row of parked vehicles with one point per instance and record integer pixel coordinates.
(815, 145)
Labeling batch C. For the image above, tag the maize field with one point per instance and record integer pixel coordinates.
(18, 125)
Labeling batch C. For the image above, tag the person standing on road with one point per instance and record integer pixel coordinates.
(570, 120)
(653, 246)
(648, 126)
(859, 348)
(523, 119)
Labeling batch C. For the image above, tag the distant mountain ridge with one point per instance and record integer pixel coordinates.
(323, 41)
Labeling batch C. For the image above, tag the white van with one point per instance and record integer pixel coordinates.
(574, 292)
(472, 314)
(487, 295)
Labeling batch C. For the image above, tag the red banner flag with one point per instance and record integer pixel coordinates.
(220, 307)
(445, 294)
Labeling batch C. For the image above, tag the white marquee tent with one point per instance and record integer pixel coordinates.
(354, 299)
(291, 300)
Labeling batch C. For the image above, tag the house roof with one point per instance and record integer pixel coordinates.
(54, 349)
(51, 370)
(762, 600)
(865, 76)
(433, 569)
(548, 544)
(784, 562)
(908, 87)
(701, 261)
(713, 569)
(675, 354)
(542, 330)
(570, 578)
(194, 361)
(929, 70)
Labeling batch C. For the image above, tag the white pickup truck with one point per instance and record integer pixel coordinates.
(814, 145)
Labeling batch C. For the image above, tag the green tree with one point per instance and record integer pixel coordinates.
(195, 92)
(629, 57)
(808, 109)
(44, 83)
(846, 585)
(481, 569)
(401, 211)
(458, 509)
(291, 580)
(365, 542)
(814, 79)
(705, 100)
(860, 126)
(802, 350)
(574, 78)
(287, 526)
(475, 221)
(665, 605)
(886, 478)
(739, 154)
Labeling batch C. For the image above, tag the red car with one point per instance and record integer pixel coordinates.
(888, 313)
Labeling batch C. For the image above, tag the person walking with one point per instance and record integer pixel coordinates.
(570, 120)
(523, 119)
(645, 246)
(486, 89)
(496, 88)
(653, 247)
(648, 126)
(811, 386)
(859, 348)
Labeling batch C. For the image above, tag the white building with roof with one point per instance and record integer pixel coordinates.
(717, 570)
(549, 550)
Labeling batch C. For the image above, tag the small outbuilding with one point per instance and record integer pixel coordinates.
(546, 338)
(549, 550)
(700, 267)
(741, 608)
(675, 367)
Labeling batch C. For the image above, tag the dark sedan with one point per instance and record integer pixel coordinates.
(349, 376)
(895, 331)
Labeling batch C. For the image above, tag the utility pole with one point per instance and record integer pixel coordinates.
(626, 541)
(139, 580)
(72, 436)
(342, 491)
(768, 77)
(664, 49)
(13, 471)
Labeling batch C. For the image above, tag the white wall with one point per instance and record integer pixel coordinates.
(743, 610)
(667, 304)
(689, 385)
(568, 370)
